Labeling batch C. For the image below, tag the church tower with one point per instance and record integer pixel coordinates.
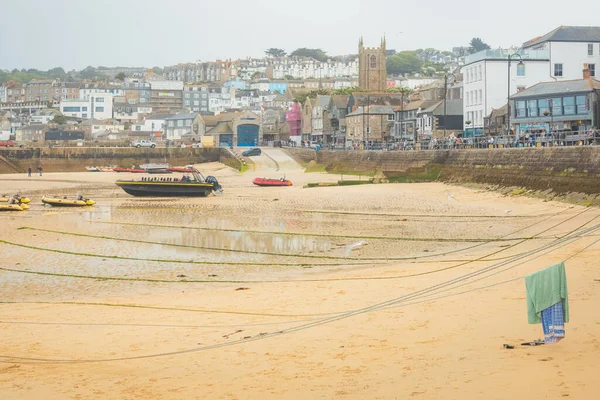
(372, 72)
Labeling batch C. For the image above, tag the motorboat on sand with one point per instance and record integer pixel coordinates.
(190, 185)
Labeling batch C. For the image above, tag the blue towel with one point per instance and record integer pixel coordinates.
(553, 323)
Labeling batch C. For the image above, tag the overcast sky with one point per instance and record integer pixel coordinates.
(76, 33)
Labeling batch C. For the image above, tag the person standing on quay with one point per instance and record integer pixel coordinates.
(40, 170)
(29, 171)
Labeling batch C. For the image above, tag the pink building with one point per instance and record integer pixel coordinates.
(294, 117)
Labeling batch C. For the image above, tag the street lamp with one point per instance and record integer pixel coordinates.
(445, 98)
(510, 57)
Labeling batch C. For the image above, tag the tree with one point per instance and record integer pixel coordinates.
(317, 54)
(288, 77)
(120, 76)
(390, 52)
(399, 89)
(59, 119)
(405, 62)
(275, 52)
(88, 73)
(157, 70)
(477, 45)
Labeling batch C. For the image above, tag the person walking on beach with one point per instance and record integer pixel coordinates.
(29, 171)
(40, 170)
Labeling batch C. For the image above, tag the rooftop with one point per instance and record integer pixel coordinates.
(567, 34)
(561, 87)
(372, 110)
(181, 116)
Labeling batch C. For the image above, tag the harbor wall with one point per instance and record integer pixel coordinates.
(76, 159)
(560, 170)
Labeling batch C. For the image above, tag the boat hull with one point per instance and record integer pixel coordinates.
(166, 189)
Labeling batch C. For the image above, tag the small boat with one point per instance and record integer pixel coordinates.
(194, 186)
(131, 170)
(92, 169)
(271, 182)
(107, 169)
(65, 202)
(185, 170)
(6, 199)
(148, 167)
(13, 207)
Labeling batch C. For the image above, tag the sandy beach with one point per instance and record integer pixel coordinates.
(389, 291)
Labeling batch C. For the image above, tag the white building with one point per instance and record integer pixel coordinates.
(43, 116)
(96, 106)
(304, 67)
(87, 89)
(154, 123)
(559, 55)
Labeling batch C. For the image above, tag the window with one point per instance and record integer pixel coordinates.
(468, 98)
(480, 74)
(187, 102)
(187, 95)
(543, 106)
(99, 109)
(188, 122)
(521, 108)
(373, 62)
(83, 108)
(569, 105)
(71, 109)
(99, 99)
(592, 68)
(138, 128)
(556, 106)
(532, 110)
(368, 129)
(480, 96)
(83, 115)
(521, 69)
(180, 123)
(581, 105)
(558, 70)
(590, 49)
(390, 117)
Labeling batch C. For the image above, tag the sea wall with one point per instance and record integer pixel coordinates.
(76, 159)
(558, 169)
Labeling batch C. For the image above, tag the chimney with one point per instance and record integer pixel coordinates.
(586, 72)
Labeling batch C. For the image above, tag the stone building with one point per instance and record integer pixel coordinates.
(370, 124)
(372, 72)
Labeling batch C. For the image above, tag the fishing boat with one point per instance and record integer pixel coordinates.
(6, 199)
(65, 202)
(13, 207)
(131, 170)
(92, 169)
(193, 185)
(271, 182)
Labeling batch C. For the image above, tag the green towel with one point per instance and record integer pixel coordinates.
(546, 288)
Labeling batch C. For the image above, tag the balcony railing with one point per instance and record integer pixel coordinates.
(502, 54)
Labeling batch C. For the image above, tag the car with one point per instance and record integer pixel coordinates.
(252, 152)
(143, 143)
(7, 143)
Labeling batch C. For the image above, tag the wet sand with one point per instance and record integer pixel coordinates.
(264, 293)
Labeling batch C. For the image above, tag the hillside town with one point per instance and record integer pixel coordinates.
(542, 92)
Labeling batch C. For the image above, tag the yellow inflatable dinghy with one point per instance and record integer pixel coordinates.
(64, 202)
